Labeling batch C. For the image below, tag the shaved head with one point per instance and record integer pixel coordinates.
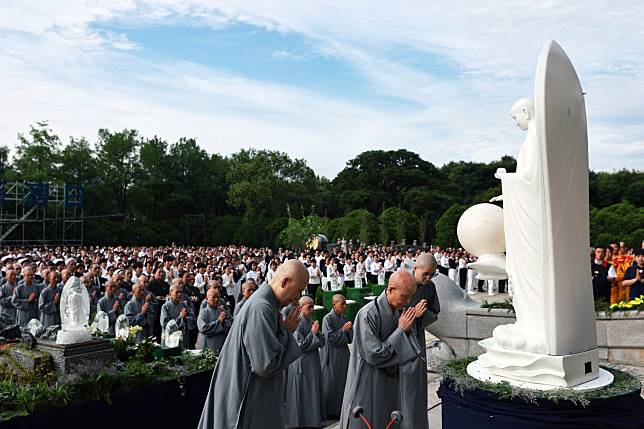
(402, 288)
(338, 298)
(305, 300)
(425, 268)
(289, 281)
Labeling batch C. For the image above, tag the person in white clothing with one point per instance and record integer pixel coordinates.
(315, 279)
(349, 273)
(378, 272)
(228, 281)
(361, 274)
(390, 266)
(332, 275)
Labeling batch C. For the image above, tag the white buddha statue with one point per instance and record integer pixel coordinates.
(522, 224)
(545, 222)
(74, 313)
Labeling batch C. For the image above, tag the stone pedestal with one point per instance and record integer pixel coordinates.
(69, 356)
(555, 371)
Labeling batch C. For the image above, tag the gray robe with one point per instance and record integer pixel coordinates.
(304, 405)
(170, 311)
(136, 318)
(335, 361)
(49, 310)
(25, 310)
(94, 295)
(6, 295)
(246, 390)
(212, 332)
(379, 347)
(239, 306)
(105, 304)
(413, 374)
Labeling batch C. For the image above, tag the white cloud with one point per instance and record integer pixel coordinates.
(56, 65)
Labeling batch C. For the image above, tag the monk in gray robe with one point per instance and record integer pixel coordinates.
(140, 312)
(49, 302)
(6, 295)
(413, 374)
(247, 385)
(304, 405)
(92, 290)
(214, 323)
(334, 356)
(25, 298)
(110, 304)
(382, 342)
(177, 309)
(247, 290)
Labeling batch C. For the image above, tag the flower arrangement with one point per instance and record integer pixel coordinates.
(636, 304)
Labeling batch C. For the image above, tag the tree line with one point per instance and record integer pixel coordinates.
(177, 192)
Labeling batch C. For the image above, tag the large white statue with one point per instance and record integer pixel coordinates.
(74, 313)
(545, 220)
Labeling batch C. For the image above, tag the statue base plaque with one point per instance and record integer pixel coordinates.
(579, 371)
(71, 357)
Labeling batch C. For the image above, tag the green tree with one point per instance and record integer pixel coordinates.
(5, 165)
(78, 165)
(266, 183)
(299, 231)
(37, 154)
(152, 188)
(118, 163)
(359, 225)
(398, 224)
(622, 221)
(446, 226)
(378, 179)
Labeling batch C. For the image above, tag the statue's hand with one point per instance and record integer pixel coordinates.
(499, 172)
(497, 198)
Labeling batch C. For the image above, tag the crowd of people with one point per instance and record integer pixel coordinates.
(617, 272)
(205, 289)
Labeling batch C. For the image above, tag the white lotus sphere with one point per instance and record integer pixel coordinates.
(480, 229)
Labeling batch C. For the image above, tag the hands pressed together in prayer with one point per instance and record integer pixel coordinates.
(145, 307)
(347, 326)
(221, 317)
(292, 320)
(32, 297)
(57, 298)
(407, 319)
(116, 306)
(420, 309)
(316, 327)
(183, 313)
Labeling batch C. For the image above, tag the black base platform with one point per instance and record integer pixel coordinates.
(480, 409)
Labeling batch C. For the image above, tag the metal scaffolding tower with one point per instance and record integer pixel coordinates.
(33, 213)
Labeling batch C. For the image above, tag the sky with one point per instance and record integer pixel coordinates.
(320, 80)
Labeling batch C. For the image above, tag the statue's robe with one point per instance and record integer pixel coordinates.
(304, 405)
(172, 311)
(25, 310)
(106, 304)
(379, 347)
(136, 318)
(334, 358)
(212, 332)
(6, 295)
(246, 390)
(413, 374)
(49, 310)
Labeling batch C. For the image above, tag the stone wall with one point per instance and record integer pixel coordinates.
(620, 336)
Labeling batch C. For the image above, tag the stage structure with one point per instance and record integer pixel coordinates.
(41, 213)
